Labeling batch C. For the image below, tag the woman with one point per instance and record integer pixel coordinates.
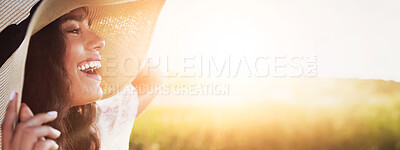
(61, 87)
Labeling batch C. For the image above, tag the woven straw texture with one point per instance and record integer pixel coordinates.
(11, 12)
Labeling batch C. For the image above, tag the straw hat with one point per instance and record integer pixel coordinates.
(125, 25)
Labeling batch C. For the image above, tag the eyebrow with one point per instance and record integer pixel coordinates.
(79, 18)
(73, 17)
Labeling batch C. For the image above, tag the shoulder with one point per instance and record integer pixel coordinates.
(119, 110)
(127, 98)
(116, 118)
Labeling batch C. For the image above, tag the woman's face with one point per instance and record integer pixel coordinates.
(82, 57)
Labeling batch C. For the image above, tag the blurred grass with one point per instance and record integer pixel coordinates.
(311, 114)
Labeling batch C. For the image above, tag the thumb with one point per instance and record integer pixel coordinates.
(8, 122)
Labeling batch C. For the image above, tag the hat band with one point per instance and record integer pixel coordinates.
(12, 36)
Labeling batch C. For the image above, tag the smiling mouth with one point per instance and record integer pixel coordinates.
(90, 67)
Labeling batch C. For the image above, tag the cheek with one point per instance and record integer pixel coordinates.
(74, 51)
(73, 56)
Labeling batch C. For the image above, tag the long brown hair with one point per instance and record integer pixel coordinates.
(47, 88)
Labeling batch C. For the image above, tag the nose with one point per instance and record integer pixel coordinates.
(95, 42)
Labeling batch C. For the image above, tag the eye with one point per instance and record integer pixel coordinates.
(75, 31)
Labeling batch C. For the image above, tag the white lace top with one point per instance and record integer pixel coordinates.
(116, 118)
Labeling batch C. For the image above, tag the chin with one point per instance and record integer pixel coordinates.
(95, 95)
(100, 94)
(87, 97)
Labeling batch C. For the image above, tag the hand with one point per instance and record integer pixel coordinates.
(30, 132)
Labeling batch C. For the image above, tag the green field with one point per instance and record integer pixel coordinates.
(275, 114)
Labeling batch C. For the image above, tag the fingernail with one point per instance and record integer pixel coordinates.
(13, 95)
(52, 113)
(57, 132)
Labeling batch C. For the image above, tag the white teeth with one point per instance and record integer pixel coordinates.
(92, 65)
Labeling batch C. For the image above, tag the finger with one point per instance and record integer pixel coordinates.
(42, 131)
(39, 119)
(47, 145)
(33, 135)
(25, 113)
(24, 129)
(9, 119)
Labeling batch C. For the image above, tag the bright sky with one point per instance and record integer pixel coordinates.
(351, 38)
